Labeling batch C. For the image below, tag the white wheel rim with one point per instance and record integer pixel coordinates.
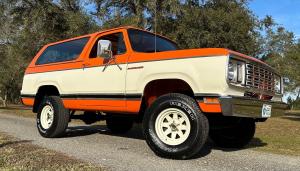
(172, 126)
(47, 116)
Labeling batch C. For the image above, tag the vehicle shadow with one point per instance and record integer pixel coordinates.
(75, 131)
(255, 142)
(136, 133)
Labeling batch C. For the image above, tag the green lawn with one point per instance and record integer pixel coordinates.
(278, 135)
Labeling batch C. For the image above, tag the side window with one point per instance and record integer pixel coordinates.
(145, 42)
(118, 44)
(66, 51)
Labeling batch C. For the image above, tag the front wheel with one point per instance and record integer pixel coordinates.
(52, 117)
(234, 136)
(174, 126)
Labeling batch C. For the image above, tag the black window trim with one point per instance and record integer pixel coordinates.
(67, 61)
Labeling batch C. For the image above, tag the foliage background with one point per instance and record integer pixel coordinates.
(27, 25)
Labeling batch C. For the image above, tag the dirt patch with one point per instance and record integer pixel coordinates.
(22, 155)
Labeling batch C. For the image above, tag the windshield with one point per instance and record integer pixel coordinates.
(142, 41)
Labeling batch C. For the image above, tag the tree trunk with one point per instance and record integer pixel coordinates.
(4, 101)
(298, 95)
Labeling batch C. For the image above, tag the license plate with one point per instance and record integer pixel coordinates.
(266, 111)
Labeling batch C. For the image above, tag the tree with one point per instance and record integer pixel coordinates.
(282, 51)
(30, 24)
(192, 24)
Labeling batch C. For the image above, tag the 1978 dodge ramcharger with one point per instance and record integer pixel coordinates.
(126, 75)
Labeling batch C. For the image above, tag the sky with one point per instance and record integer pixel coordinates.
(284, 12)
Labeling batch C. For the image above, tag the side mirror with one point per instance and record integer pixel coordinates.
(104, 49)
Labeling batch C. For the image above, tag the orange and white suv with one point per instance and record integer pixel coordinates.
(126, 75)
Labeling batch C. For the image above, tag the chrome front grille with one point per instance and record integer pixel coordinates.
(259, 77)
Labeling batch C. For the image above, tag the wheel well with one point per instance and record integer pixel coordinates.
(43, 91)
(160, 87)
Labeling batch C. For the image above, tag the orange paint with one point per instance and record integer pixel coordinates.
(133, 106)
(178, 54)
(210, 108)
(103, 105)
(27, 101)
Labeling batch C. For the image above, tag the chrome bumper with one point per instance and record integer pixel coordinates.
(246, 107)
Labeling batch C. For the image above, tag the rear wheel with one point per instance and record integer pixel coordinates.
(119, 124)
(174, 126)
(234, 136)
(52, 117)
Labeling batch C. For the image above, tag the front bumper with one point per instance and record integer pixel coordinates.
(247, 107)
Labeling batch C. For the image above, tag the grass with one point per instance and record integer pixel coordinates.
(22, 155)
(293, 112)
(25, 112)
(18, 111)
(278, 135)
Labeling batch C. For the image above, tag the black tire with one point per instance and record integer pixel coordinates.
(236, 136)
(61, 117)
(199, 127)
(119, 124)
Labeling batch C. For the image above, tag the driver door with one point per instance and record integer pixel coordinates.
(106, 84)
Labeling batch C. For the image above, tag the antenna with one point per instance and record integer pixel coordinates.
(155, 25)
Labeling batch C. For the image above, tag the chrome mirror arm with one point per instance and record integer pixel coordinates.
(111, 59)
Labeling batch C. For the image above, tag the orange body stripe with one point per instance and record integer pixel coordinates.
(28, 101)
(103, 105)
(133, 106)
(178, 54)
(210, 108)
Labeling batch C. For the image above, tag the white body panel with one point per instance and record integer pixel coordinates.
(79, 81)
(203, 74)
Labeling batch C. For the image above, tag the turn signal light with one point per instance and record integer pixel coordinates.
(211, 100)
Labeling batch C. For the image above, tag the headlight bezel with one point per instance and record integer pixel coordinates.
(236, 71)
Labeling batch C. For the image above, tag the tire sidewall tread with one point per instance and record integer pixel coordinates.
(199, 126)
(60, 120)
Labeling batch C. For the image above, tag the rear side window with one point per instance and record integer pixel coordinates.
(66, 51)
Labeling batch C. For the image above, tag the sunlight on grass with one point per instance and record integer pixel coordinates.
(278, 135)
